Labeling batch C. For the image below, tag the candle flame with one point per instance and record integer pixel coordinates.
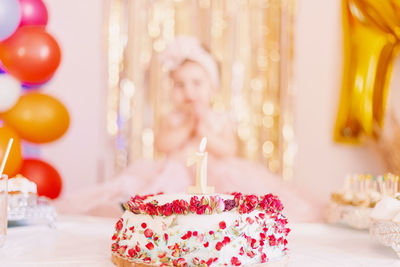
(203, 144)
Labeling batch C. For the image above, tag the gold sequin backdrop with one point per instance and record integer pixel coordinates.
(252, 42)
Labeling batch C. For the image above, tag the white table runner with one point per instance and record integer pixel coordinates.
(85, 241)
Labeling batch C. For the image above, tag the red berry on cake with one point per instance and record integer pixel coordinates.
(238, 197)
(272, 240)
(144, 225)
(149, 246)
(226, 240)
(263, 258)
(119, 224)
(235, 261)
(131, 252)
(114, 247)
(243, 209)
(206, 244)
(195, 233)
(137, 247)
(201, 210)
(218, 246)
(148, 233)
(251, 254)
(222, 225)
(189, 234)
(253, 243)
(166, 237)
(162, 254)
(168, 209)
(151, 209)
(229, 204)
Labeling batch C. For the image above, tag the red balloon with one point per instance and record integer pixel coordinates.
(33, 12)
(30, 54)
(46, 177)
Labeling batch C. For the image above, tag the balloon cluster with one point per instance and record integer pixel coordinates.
(29, 57)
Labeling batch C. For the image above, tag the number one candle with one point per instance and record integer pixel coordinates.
(200, 158)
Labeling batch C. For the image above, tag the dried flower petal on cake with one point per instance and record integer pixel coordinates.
(119, 224)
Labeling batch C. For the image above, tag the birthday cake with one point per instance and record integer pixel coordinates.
(21, 192)
(200, 230)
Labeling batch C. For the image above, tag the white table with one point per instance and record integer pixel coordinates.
(85, 241)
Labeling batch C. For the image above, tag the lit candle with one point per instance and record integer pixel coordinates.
(200, 158)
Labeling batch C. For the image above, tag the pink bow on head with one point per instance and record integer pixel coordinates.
(189, 48)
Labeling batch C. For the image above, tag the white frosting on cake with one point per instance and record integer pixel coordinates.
(227, 238)
(21, 184)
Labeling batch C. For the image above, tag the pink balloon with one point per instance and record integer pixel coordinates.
(33, 12)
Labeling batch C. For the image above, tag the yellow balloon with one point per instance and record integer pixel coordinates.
(371, 42)
(38, 118)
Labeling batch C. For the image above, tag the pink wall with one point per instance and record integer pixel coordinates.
(322, 164)
(80, 83)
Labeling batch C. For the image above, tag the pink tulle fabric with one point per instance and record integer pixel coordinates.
(227, 175)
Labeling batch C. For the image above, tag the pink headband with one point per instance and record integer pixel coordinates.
(189, 48)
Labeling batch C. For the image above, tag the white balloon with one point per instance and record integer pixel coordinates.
(10, 90)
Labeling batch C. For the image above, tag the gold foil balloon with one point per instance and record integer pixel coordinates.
(371, 40)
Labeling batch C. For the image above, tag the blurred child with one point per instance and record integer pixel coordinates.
(190, 117)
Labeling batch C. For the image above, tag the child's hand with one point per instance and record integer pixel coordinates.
(176, 128)
(183, 115)
(209, 123)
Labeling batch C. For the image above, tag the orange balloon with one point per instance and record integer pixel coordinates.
(38, 118)
(30, 54)
(14, 160)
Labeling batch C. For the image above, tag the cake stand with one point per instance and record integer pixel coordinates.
(387, 233)
(121, 262)
(356, 217)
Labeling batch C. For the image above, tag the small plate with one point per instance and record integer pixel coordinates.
(40, 213)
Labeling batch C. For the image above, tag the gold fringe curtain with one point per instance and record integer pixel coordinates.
(250, 39)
